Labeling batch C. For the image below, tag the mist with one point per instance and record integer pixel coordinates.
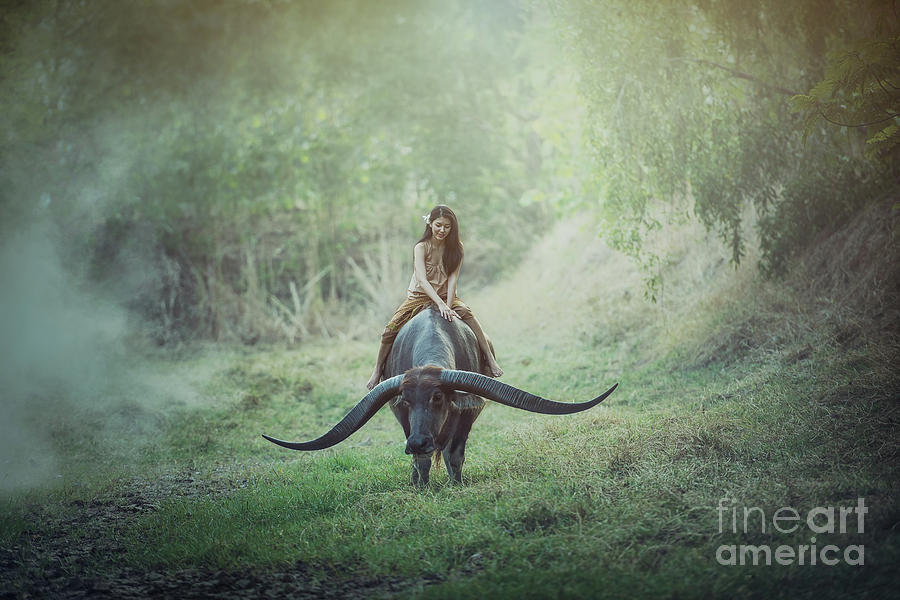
(59, 350)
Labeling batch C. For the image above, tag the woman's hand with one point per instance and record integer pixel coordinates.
(447, 312)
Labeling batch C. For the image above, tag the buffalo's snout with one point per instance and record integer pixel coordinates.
(419, 443)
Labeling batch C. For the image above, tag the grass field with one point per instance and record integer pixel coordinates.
(768, 395)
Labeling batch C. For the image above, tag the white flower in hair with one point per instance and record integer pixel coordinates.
(427, 219)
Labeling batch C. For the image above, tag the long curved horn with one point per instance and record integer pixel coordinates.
(492, 389)
(356, 418)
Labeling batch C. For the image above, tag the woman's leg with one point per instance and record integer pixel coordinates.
(493, 368)
(410, 307)
(383, 352)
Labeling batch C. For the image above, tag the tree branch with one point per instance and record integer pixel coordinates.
(888, 118)
(740, 75)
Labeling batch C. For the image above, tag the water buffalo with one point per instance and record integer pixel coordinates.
(434, 385)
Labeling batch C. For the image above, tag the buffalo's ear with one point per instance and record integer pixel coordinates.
(465, 401)
(453, 398)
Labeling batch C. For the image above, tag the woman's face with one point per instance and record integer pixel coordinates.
(440, 228)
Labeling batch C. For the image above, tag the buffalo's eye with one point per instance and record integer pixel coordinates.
(437, 397)
(402, 403)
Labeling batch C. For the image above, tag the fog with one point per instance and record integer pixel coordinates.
(74, 369)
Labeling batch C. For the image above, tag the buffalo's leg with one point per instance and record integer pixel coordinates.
(454, 462)
(421, 468)
(455, 453)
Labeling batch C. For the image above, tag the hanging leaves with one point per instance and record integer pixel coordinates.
(697, 104)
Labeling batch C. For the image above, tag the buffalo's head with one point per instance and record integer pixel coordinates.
(423, 406)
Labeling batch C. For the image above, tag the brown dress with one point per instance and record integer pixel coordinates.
(417, 299)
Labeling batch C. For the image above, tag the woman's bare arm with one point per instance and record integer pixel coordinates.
(422, 278)
(451, 283)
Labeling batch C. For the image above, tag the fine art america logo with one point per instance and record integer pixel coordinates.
(819, 520)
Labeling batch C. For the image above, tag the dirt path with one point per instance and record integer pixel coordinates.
(74, 554)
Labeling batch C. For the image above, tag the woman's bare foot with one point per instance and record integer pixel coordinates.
(493, 368)
(374, 379)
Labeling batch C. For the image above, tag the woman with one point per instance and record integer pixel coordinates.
(437, 258)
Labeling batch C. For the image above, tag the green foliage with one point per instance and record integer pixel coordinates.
(861, 89)
(252, 152)
(690, 111)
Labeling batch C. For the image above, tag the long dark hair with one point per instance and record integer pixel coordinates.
(453, 250)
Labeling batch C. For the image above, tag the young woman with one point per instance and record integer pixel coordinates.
(437, 258)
